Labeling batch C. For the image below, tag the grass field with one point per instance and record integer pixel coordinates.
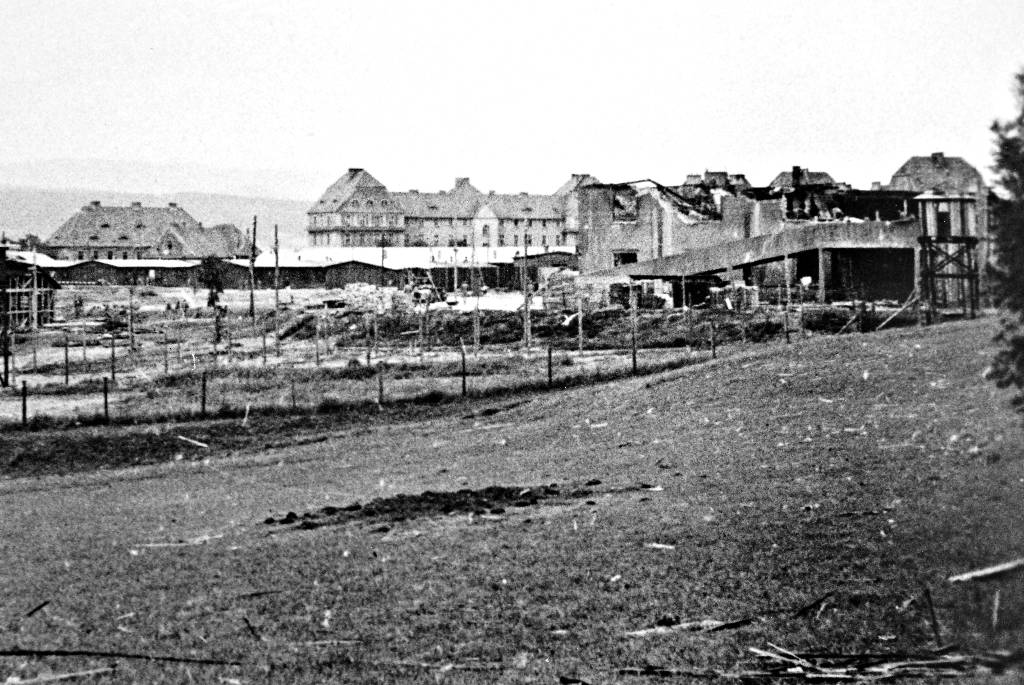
(855, 470)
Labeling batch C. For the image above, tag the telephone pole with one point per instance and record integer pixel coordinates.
(252, 273)
(277, 293)
(527, 318)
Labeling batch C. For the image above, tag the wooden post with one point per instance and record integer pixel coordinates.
(167, 354)
(252, 274)
(131, 320)
(84, 341)
(202, 397)
(579, 324)
(294, 400)
(178, 339)
(113, 358)
(551, 376)
(803, 332)
(263, 334)
(714, 342)
(633, 323)
(380, 384)
(785, 323)
(277, 295)
(24, 404)
(35, 360)
(227, 351)
(524, 274)
(106, 401)
(462, 349)
(67, 361)
(316, 339)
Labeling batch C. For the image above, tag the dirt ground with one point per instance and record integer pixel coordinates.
(815, 497)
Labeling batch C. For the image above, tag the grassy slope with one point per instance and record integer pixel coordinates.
(760, 457)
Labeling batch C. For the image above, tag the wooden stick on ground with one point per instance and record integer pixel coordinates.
(988, 572)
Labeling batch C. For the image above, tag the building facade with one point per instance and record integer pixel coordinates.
(358, 210)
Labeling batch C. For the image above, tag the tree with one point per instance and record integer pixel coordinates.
(1007, 273)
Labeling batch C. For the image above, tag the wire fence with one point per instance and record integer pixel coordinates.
(183, 369)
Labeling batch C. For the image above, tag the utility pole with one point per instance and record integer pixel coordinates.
(277, 293)
(5, 318)
(35, 293)
(252, 273)
(474, 280)
(527, 320)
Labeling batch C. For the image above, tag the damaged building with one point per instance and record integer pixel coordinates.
(924, 233)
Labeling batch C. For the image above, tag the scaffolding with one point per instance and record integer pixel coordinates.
(949, 274)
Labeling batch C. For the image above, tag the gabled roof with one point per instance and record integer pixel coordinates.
(137, 227)
(936, 171)
(807, 178)
(576, 181)
(345, 187)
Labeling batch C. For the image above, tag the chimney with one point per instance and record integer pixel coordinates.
(490, 192)
(95, 203)
(797, 177)
(415, 192)
(353, 171)
(172, 205)
(136, 205)
(938, 159)
(461, 182)
(876, 185)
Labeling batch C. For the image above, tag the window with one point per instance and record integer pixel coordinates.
(943, 224)
(81, 255)
(95, 254)
(620, 258)
(528, 239)
(110, 254)
(124, 255)
(515, 239)
(558, 240)
(501, 240)
(544, 239)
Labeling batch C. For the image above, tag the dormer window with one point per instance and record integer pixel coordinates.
(139, 225)
(94, 237)
(122, 237)
(104, 225)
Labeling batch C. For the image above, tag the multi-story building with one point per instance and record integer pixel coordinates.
(358, 210)
(137, 232)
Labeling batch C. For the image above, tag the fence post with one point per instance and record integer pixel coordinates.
(380, 385)
(550, 370)
(84, 357)
(579, 325)
(35, 362)
(113, 358)
(714, 344)
(633, 323)
(462, 349)
(106, 406)
(178, 338)
(294, 402)
(316, 339)
(167, 361)
(264, 332)
(785, 323)
(202, 396)
(24, 404)
(67, 361)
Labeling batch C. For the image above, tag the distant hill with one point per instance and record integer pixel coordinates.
(41, 211)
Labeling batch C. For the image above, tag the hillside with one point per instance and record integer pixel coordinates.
(816, 496)
(40, 211)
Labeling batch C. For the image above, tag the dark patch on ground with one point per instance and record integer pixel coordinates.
(490, 500)
(491, 411)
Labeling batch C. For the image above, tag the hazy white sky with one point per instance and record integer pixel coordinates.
(516, 95)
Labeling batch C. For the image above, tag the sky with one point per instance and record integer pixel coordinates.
(283, 97)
